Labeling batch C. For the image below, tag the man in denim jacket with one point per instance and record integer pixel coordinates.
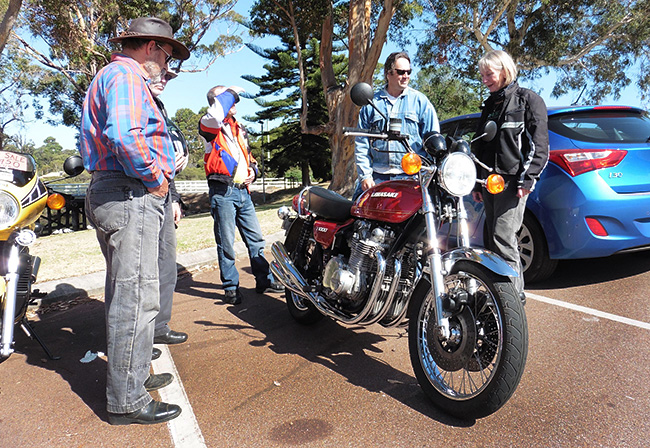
(396, 100)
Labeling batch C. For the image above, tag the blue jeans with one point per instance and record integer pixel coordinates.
(128, 221)
(232, 207)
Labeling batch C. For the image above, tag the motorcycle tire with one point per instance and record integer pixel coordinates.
(300, 309)
(475, 372)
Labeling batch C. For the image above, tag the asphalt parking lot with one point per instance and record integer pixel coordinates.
(250, 376)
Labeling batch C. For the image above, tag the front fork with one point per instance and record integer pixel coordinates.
(463, 239)
(433, 255)
(9, 303)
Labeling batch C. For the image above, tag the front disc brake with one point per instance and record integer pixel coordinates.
(454, 353)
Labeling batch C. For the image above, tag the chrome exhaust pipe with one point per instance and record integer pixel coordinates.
(286, 273)
(281, 276)
(390, 297)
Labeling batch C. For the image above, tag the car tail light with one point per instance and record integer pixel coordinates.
(577, 161)
(596, 227)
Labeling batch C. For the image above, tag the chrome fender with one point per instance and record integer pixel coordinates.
(484, 257)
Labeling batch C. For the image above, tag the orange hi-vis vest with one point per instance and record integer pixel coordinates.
(220, 160)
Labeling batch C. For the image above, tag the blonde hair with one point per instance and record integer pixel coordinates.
(499, 60)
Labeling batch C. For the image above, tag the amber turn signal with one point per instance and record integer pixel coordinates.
(411, 163)
(55, 201)
(495, 183)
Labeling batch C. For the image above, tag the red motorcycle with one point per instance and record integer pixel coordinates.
(384, 259)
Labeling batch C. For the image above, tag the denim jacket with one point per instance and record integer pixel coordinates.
(418, 117)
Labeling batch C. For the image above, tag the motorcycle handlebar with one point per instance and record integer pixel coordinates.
(372, 133)
(359, 132)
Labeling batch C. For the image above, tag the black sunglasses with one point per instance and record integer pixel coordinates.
(169, 56)
(403, 72)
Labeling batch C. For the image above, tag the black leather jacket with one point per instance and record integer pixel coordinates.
(520, 147)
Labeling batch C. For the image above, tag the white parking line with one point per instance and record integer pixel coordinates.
(184, 429)
(593, 312)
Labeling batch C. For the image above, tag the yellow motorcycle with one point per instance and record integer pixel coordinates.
(23, 197)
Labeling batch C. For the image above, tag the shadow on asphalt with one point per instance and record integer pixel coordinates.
(71, 329)
(344, 350)
(590, 271)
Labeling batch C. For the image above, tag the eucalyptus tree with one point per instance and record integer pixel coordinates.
(17, 79)
(450, 94)
(359, 26)
(598, 44)
(9, 10)
(70, 38)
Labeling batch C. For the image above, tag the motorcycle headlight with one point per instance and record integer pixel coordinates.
(9, 210)
(458, 174)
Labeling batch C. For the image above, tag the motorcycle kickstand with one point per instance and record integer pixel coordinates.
(29, 331)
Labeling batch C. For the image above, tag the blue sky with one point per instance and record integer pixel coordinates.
(189, 89)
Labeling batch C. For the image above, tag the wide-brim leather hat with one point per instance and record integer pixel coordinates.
(155, 29)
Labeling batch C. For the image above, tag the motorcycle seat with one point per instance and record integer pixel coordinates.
(328, 204)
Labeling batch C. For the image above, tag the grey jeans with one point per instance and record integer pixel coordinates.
(167, 271)
(128, 222)
(504, 214)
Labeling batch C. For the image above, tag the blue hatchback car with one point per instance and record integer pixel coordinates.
(593, 198)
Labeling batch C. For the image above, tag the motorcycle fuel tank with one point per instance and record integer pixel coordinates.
(393, 201)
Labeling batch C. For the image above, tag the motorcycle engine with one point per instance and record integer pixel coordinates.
(351, 278)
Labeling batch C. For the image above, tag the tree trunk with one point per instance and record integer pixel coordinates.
(362, 59)
(8, 21)
(306, 178)
(344, 168)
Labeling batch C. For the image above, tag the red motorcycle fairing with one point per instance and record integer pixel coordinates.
(325, 231)
(393, 201)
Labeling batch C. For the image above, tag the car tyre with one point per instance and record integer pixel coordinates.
(533, 251)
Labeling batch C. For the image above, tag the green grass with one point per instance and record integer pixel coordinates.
(77, 253)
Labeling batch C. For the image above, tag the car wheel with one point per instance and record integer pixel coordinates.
(533, 251)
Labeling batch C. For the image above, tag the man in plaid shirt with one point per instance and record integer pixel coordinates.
(125, 144)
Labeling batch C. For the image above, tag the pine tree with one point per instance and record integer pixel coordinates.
(288, 145)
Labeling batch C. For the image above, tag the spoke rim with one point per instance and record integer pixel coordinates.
(465, 383)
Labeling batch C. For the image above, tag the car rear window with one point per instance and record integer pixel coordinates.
(464, 129)
(603, 126)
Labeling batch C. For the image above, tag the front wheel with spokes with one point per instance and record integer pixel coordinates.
(474, 371)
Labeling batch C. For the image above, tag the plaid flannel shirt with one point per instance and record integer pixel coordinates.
(122, 129)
